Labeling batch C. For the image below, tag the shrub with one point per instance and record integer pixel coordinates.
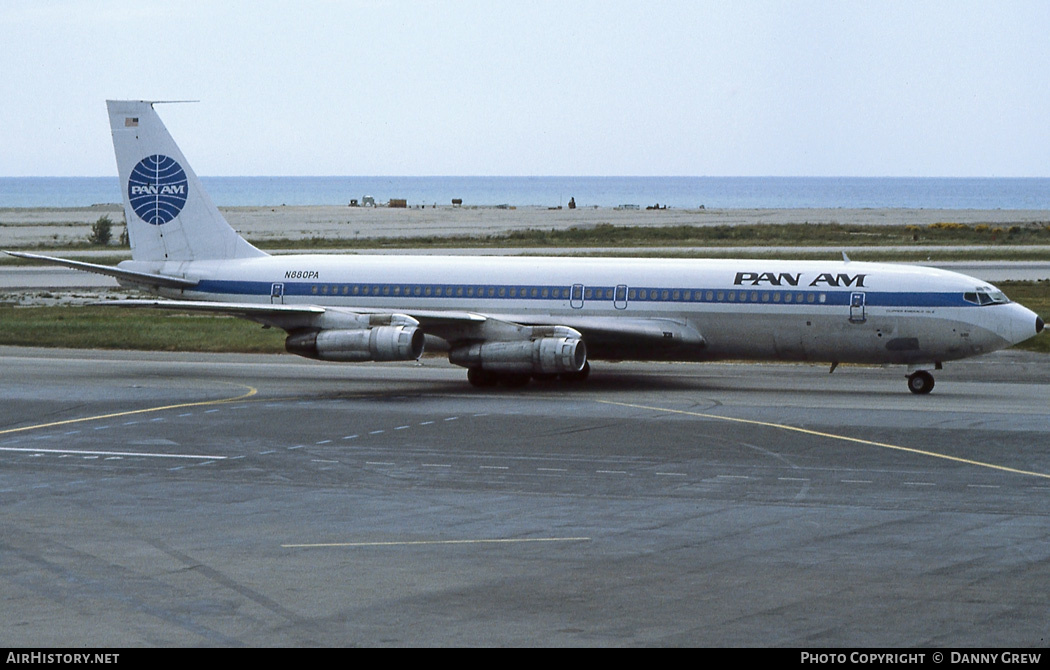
(101, 231)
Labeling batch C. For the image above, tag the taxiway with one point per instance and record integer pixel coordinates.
(224, 500)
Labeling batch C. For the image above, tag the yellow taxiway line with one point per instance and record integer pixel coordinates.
(833, 436)
(251, 391)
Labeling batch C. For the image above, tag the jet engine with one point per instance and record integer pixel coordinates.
(379, 343)
(545, 355)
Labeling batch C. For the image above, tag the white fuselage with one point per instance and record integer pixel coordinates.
(746, 309)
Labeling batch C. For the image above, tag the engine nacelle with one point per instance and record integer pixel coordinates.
(380, 343)
(546, 355)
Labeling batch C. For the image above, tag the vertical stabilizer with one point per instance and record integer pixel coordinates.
(169, 216)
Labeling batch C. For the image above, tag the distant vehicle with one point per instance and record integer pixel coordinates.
(507, 320)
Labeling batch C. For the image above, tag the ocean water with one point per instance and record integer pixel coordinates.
(675, 192)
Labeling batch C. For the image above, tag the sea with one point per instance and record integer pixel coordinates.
(673, 192)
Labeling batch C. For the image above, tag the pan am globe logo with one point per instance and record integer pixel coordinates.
(157, 189)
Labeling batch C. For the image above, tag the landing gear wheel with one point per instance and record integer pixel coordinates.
(481, 379)
(920, 383)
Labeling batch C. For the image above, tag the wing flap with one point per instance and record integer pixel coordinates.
(646, 331)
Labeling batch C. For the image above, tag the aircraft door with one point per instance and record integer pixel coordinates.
(620, 297)
(576, 296)
(277, 294)
(856, 307)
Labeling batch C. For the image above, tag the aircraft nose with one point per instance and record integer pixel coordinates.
(1016, 324)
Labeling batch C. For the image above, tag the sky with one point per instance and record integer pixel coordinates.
(918, 88)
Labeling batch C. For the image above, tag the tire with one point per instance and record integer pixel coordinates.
(920, 383)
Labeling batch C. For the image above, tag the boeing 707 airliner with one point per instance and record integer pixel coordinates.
(509, 320)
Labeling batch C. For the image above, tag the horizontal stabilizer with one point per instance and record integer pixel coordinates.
(143, 279)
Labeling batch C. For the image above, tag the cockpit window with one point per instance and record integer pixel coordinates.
(998, 296)
(986, 296)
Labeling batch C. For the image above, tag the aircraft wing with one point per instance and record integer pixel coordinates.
(610, 336)
(142, 279)
(299, 317)
(243, 309)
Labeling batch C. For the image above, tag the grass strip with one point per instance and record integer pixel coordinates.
(609, 235)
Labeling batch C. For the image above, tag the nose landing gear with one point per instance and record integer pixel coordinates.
(920, 382)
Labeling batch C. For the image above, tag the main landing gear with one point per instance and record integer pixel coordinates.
(920, 382)
(481, 378)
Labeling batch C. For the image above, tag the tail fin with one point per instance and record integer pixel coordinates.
(169, 216)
